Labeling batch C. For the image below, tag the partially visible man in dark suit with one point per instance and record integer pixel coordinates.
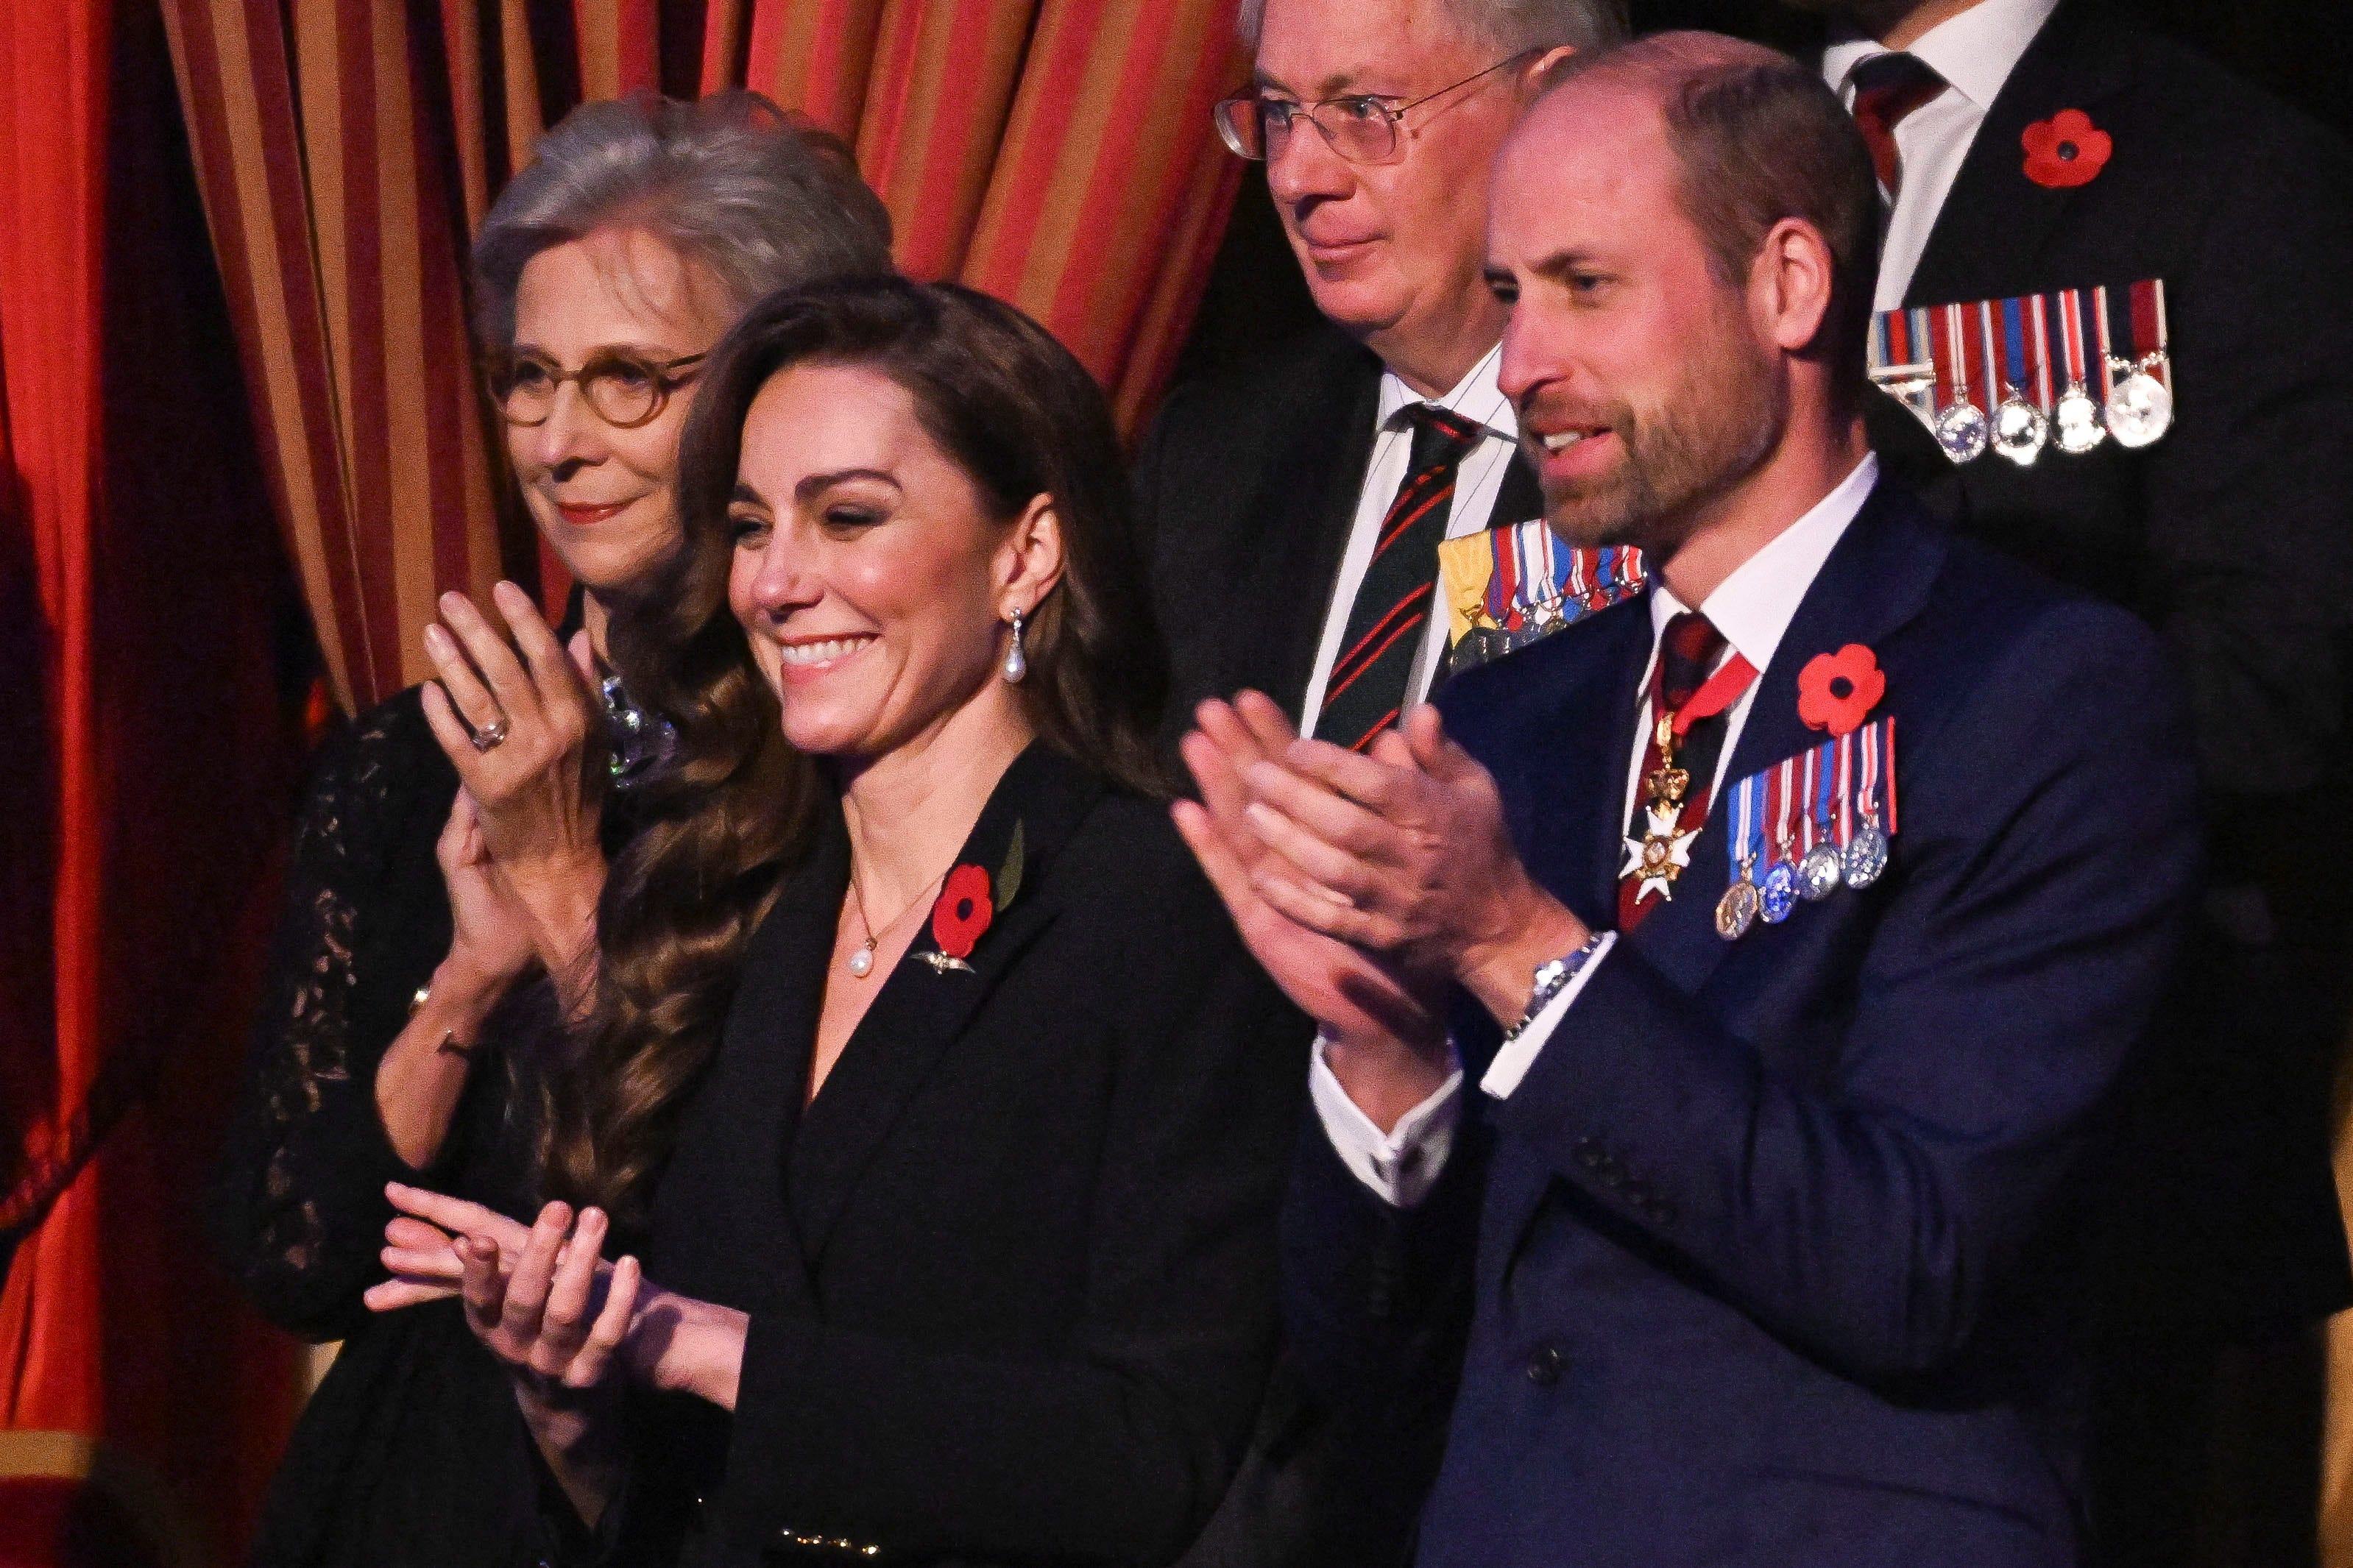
(1792, 1047)
(1294, 506)
(2233, 535)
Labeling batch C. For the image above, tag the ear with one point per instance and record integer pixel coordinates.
(1534, 81)
(1030, 562)
(1790, 285)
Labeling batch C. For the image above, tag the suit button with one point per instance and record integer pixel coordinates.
(1544, 1365)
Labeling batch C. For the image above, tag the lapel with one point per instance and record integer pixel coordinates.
(920, 1011)
(1316, 482)
(1571, 827)
(1874, 583)
(1992, 229)
(730, 1239)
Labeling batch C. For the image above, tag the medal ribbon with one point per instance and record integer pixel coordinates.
(2148, 329)
(1744, 845)
(2016, 367)
(1988, 373)
(2107, 346)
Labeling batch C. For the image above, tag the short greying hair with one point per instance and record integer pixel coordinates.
(731, 183)
(1509, 26)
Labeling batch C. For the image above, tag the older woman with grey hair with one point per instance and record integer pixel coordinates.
(454, 841)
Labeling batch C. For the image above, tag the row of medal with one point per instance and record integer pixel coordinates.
(2013, 376)
(1804, 828)
(1505, 587)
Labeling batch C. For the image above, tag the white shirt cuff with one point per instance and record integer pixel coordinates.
(1513, 1062)
(1401, 1164)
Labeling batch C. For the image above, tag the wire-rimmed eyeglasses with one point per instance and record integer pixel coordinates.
(1361, 127)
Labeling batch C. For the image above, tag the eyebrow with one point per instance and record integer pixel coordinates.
(746, 496)
(817, 484)
(1334, 86)
(1561, 263)
(658, 353)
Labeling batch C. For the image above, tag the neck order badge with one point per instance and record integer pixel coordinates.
(1661, 855)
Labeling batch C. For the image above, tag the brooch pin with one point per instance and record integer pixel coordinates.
(2065, 150)
(969, 905)
(1837, 691)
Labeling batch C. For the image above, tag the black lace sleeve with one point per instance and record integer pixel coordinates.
(298, 1208)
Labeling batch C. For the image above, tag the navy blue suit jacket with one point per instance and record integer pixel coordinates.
(1768, 1258)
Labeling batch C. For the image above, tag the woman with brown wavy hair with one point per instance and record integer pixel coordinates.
(948, 1107)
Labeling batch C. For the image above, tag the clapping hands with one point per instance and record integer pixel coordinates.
(1369, 884)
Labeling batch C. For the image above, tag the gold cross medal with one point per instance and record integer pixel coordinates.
(1663, 852)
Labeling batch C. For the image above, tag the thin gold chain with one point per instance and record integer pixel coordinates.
(858, 901)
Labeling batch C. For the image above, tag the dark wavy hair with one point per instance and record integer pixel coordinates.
(738, 805)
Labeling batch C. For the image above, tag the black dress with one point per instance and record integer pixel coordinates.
(1012, 1273)
(412, 1453)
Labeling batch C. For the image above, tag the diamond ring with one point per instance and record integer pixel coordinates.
(491, 735)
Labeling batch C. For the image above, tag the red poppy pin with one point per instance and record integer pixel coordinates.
(968, 902)
(1837, 691)
(2066, 150)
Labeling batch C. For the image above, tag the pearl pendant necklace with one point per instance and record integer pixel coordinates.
(860, 962)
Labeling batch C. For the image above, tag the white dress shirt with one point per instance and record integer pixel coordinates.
(1752, 608)
(1477, 482)
(1974, 52)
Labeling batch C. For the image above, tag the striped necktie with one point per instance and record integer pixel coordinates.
(1370, 681)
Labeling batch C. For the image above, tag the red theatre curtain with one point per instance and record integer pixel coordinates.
(144, 772)
(1055, 152)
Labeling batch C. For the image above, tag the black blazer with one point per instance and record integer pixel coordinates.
(1246, 487)
(2234, 538)
(1012, 1273)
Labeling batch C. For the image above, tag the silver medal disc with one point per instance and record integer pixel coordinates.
(1777, 896)
(2078, 419)
(2020, 431)
(1962, 430)
(1737, 910)
(2141, 411)
(1866, 854)
(1820, 873)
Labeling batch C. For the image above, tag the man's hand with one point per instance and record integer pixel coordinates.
(1391, 1040)
(1404, 854)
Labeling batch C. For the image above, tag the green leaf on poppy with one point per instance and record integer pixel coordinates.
(1008, 878)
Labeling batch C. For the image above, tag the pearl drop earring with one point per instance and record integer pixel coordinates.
(1017, 662)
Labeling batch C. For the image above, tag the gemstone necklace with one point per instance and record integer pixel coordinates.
(860, 962)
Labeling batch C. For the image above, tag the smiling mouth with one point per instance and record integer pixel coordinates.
(583, 513)
(1562, 440)
(802, 655)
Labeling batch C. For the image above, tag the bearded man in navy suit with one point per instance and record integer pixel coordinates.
(1710, 1090)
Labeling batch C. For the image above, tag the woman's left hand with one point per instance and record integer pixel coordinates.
(537, 786)
(551, 1314)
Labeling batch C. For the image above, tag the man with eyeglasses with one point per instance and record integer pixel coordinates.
(1293, 508)
(1267, 495)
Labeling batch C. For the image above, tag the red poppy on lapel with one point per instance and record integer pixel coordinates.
(2065, 150)
(963, 912)
(1837, 691)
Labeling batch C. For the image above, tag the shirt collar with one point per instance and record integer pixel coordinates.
(1475, 397)
(1754, 607)
(1975, 51)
